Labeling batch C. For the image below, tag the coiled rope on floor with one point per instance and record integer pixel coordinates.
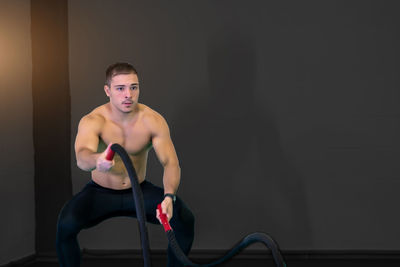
(141, 217)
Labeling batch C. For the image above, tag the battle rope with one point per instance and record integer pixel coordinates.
(140, 211)
(138, 197)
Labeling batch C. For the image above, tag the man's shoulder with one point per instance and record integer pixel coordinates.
(149, 114)
(95, 117)
(151, 118)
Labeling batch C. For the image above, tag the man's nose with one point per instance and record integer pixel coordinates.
(128, 94)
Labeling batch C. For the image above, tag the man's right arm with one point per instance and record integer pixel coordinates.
(86, 142)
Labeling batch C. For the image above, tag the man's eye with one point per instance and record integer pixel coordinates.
(120, 88)
(133, 87)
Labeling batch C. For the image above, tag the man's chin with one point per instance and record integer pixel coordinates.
(125, 110)
(128, 109)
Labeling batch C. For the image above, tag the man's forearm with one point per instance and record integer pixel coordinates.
(171, 178)
(86, 159)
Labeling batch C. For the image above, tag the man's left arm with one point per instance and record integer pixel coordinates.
(166, 154)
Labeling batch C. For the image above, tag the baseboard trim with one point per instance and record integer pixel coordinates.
(22, 261)
(208, 254)
(251, 254)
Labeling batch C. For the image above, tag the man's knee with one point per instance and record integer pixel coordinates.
(67, 227)
(185, 216)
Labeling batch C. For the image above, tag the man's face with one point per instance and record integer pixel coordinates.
(123, 92)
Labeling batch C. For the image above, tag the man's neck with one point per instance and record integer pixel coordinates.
(123, 117)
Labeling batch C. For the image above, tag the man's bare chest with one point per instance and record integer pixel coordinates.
(134, 138)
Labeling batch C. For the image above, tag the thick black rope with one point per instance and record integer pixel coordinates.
(245, 242)
(139, 204)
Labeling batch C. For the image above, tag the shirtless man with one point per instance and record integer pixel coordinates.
(137, 128)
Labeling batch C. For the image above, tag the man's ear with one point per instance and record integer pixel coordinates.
(107, 90)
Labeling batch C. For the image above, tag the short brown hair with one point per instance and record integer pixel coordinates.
(119, 68)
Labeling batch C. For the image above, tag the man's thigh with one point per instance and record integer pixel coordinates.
(90, 207)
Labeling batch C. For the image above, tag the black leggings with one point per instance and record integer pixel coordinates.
(95, 204)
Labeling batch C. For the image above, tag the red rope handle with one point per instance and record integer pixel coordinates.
(110, 154)
(164, 219)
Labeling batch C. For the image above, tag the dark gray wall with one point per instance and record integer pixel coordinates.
(284, 114)
(17, 206)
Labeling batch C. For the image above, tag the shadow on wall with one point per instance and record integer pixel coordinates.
(232, 162)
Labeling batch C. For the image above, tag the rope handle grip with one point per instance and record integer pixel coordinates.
(164, 219)
(110, 153)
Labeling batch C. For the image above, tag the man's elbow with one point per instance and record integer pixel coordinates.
(81, 165)
(173, 165)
